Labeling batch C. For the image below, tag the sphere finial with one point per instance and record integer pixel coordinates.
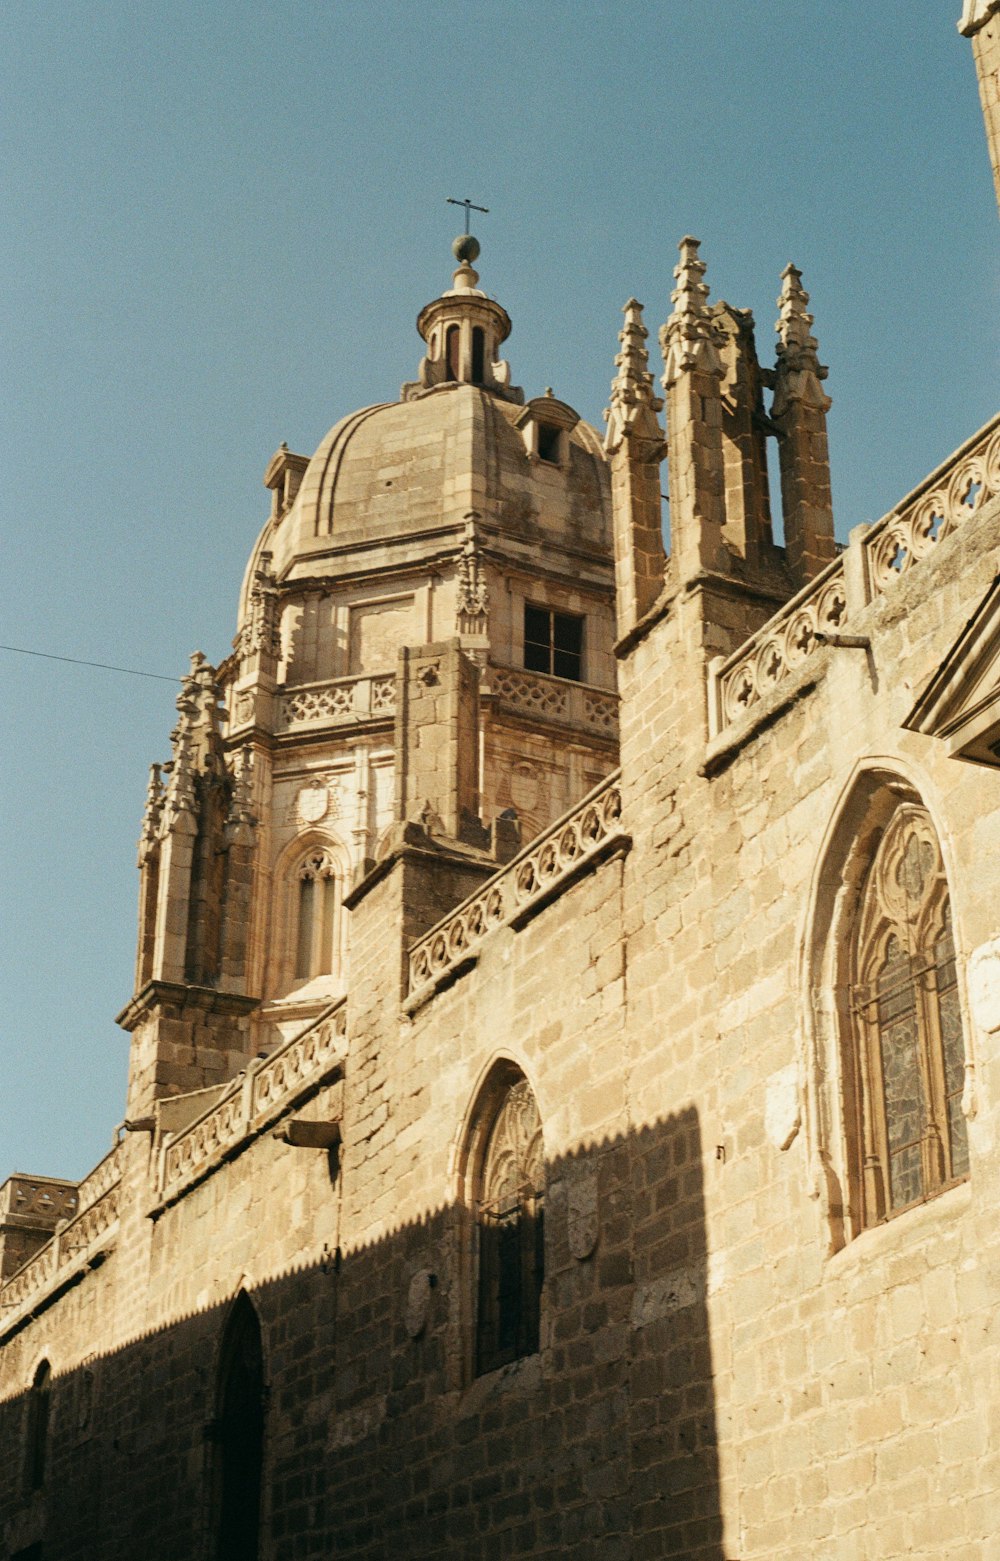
(465, 248)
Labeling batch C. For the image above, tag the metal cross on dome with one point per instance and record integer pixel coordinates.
(449, 201)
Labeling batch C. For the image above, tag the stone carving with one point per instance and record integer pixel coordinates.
(782, 1108)
(951, 495)
(257, 1097)
(71, 1244)
(783, 644)
(418, 1302)
(152, 813)
(634, 404)
(473, 593)
(690, 339)
(313, 802)
(535, 694)
(582, 1223)
(984, 985)
(261, 630)
(798, 371)
(47, 1202)
(892, 547)
(340, 702)
(378, 630)
(532, 873)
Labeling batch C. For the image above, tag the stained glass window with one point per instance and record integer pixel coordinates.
(911, 1136)
(510, 1233)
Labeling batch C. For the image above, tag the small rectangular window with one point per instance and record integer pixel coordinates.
(553, 643)
(548, 443)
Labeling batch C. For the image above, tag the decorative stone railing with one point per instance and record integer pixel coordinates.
(74, 1243)
(950, 495)
(340, 702)
(528, 880)
(554, 699)
(96, 1183)
(36, 1198)
(258, 1096)
(782, 644)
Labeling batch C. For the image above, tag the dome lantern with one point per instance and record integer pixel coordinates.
(464, 329)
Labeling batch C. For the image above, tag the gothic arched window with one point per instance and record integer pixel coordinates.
(909, 1064)
(239, 1436)
(317, 914)
(510, 1230)
(37, 1441)
(451, 351)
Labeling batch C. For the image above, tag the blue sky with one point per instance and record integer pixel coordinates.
(221, 223)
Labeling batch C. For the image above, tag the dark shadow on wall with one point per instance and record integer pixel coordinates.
(377, 1441)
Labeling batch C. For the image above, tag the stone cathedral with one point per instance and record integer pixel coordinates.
(563, 1115)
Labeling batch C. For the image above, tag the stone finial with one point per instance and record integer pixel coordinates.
(241, 800)
(195, 739)
(975, 14)
(473, 591)
(634, 404)
(151, 813)
(690, 339)
(798, 370)
(261, 631)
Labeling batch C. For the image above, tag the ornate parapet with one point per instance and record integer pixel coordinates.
(257, 1098)
(888, 550)
(78, 1243)
(97, 1182)
(951, 494)
(339, 702)
(781, 646)
(543, 698)
(571, 845)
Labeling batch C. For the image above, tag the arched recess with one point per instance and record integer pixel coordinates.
(238, 1442)
(887, 1054)
(308, 934)
(36, 1438)
(501, 1170)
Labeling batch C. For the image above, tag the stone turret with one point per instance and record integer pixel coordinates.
(464, 329)
(693, 372)
(195, 863)
(634, 443)
(980, 22)
(799, 412)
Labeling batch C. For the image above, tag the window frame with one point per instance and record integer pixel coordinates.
(919, 927)
(549, 645)
(493, 1341)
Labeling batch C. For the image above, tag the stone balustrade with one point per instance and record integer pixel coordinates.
(96, 1183)
(37, 1198)
(890, 548)
(339, 702)
(546, 698)
(781, 645)
(268, 1086)
(73, 1244)
(537, 872)
(956, 490)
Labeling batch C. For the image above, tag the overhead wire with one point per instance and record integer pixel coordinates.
(77, 661)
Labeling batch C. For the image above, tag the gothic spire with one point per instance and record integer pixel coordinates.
(634, 404)
(689, 339)
(798, 370)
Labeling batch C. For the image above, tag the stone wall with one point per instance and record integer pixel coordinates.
(730, 1367)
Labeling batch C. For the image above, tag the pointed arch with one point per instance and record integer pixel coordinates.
(240, 1397)
(308, 926)
(502, 1178)
(888, 1056)
(36, 1441)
